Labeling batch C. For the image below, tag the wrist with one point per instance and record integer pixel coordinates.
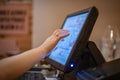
(42, 51)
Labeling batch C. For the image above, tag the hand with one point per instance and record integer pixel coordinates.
(51, 41)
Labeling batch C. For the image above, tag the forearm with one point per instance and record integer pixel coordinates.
(15, 66)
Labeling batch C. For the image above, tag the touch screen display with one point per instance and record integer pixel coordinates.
(62, 50)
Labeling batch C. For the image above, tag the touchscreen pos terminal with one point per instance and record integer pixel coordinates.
(65, 54)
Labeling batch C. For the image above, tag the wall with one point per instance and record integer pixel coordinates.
(22, 41)
(49, 15)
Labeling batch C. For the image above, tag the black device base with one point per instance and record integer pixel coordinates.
(105, 71)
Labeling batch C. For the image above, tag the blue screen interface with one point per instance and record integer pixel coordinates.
(62, 50)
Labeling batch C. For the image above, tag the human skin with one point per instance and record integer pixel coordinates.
(13, 67)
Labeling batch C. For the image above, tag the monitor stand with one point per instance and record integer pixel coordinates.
(91, 57)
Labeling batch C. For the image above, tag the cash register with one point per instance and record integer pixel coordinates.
(77, 57)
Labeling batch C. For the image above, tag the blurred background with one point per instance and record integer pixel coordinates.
(42, 17)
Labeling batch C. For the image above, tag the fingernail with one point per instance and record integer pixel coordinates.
(64, 33)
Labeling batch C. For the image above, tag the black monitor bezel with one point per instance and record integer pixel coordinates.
(81, 40)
